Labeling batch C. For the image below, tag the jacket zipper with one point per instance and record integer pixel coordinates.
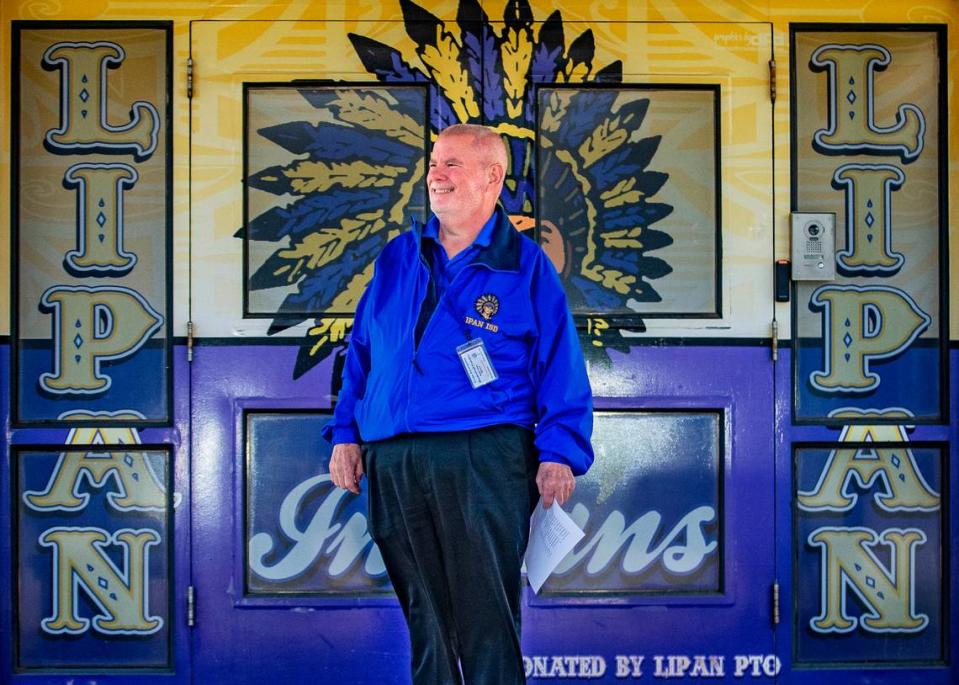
(429, 325)
(416, 364)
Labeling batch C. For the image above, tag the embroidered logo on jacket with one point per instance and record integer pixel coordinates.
(487, 305)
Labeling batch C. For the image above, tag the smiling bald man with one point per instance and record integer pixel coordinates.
(464, 397)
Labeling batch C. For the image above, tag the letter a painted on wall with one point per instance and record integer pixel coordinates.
(138, 487)
(84, 121)
(905, 489)
(80, 563)
(852, 118)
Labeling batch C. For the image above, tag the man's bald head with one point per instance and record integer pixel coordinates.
(467, 168)
(487, 142)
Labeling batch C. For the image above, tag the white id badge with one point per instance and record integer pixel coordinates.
(477, 363)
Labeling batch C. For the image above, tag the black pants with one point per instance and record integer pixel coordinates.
(450, 514)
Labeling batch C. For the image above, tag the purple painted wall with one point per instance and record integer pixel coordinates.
(241, 639)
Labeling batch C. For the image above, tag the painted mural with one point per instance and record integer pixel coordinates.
(651, 157)
(355, 175)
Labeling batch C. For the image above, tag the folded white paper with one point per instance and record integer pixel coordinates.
(552, 535)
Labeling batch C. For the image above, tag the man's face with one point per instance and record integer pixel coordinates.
(459, 180)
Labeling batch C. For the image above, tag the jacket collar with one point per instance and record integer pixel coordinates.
(502, 253)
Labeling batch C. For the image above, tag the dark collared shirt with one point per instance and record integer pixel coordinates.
(443, 269)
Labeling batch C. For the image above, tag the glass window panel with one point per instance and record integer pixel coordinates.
(93, 559)
(651, 508)
(870, 553)
(639, 537)
(93, 224)
(292, 508)
(867, 141)
(332, 173)
(629, 197)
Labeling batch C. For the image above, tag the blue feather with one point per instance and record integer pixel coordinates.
(583, 49)
(318, 289)
(653, 212)
(627, 216)
(314, 211)
(329, 142)
(633, 113)
(626, 161)
(651, 181)
(384, 61)
(586, 294)
(548, 59)
(266, 277)
(585, 111)
(478, 43)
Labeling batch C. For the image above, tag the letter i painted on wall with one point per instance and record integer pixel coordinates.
(869, 189)
(100, 218)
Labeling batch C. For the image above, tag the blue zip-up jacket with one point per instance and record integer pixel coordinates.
(392, 386)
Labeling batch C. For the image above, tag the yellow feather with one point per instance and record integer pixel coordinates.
(517, 52)
(374, 112)
(621, 194)
(398, 210)
(624, 238)
(328, 330)
(610, 278)
(328, 244)
(442, 59)
(551, 117)
(605, 138)
(311, 177)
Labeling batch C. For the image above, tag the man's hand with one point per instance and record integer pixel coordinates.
(346, 466)
(555, 481)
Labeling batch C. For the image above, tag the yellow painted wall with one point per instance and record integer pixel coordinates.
(675, 47)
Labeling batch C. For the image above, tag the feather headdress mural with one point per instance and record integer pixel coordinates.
(358, 171)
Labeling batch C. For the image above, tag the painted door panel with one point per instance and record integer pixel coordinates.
(96, 519)
(868, 493)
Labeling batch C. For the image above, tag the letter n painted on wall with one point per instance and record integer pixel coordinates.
(93, 563)
(92, 222)
(868, 136)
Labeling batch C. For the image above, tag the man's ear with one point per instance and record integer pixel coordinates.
(496, 172)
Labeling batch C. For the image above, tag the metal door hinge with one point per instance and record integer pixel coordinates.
(189, 78)
(189, 341)
(775, 339)
(190, 607)
(772, 81)
(776, 603)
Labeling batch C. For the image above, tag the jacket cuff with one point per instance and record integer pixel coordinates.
(556, 459)
(337, 435)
